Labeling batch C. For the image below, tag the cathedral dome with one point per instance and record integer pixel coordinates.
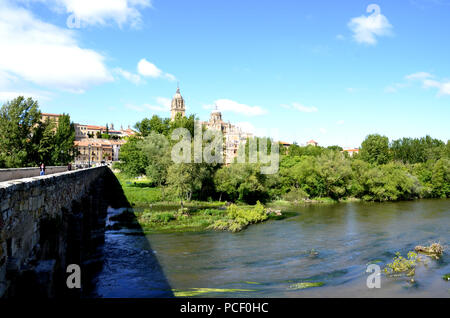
(177, 94)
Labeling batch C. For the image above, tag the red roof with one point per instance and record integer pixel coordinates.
(96, 127)
(351, 150)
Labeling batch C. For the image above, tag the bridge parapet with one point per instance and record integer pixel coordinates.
(18, 173)
(46, 223)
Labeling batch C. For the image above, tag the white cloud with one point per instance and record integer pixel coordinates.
(44, 54)
(135, 107)
(134, 78)
(443, 87)
(166, 102)
(340, 122)
(10, 95)
(428, 81)
(101, 12)
(390, 89)
(247, 127)
(323, 130)
(232, 106)
(410, 79)
(340, 37)
(366, 29)
(395, 87)
(418, 76)
(162, 105)
(145, 68)
(300, 107)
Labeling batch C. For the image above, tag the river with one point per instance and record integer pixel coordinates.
(327, 243)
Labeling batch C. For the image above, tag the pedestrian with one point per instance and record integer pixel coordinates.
(42, 169)
(69, 166)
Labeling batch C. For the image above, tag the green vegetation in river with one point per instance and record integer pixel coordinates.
(238, 218)
(402, 265)
(306, 285)
(446, 277)
(192, 292)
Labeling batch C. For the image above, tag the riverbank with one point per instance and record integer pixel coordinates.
(157, 210)
(152, 214)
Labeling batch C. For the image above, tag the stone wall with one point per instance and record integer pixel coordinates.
(19, 173)
(47, 223)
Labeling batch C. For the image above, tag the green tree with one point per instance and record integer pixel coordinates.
(43, 142)
(335, 173)
(375, 149)
(64, 150)
(155, 124)
(441, 178)
(182, 122)
(19, 120)
(184, 179)
(417, 150)
(242, 182)
(133, 161)
(156, 148)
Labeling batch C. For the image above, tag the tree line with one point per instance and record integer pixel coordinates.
(402, 169)
(26, 140)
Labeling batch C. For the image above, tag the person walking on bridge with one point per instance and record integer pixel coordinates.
(42, 169)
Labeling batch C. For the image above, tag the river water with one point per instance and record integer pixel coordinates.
(331, 244)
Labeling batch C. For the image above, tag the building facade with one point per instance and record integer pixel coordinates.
(95, 151)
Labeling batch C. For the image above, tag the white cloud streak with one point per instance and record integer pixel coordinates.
(133, 78)
(162, 105)
(301, 108)
(228, 105)
(419, 76)
(148, 69)
(100, 12)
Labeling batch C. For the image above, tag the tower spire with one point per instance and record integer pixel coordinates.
(177, 105)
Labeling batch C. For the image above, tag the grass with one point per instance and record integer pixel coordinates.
(325, 200)
(176, 221)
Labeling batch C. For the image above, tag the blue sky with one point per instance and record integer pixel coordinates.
(333, 71)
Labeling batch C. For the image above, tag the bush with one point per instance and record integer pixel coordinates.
(250, 215)
(240, 217)
(295, 195)
(163, 217)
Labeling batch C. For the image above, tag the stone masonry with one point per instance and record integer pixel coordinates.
(46, 223)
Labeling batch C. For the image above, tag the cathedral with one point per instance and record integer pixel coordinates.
(233, 135)
(177, 105)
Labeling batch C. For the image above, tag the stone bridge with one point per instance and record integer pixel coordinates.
(48, 222)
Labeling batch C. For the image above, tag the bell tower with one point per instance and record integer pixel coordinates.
(177, 105)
